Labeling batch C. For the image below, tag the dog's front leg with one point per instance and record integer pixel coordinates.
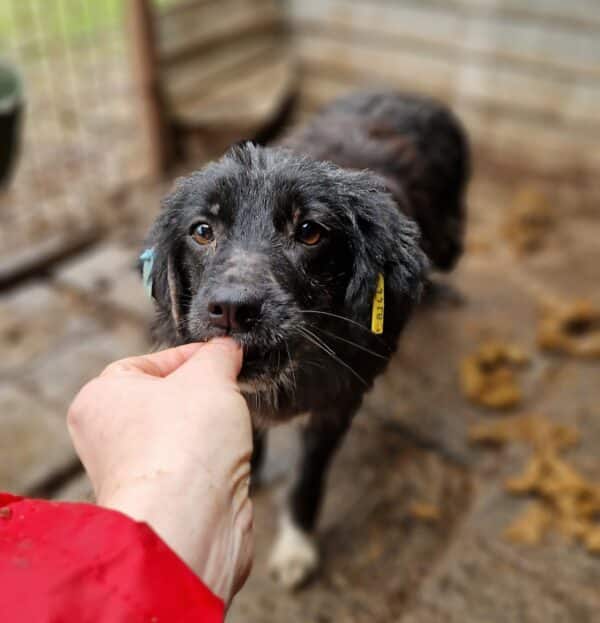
(295, 555)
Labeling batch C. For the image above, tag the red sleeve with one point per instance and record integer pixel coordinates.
(79, 562)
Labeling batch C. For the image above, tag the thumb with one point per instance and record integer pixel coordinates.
(218, 360)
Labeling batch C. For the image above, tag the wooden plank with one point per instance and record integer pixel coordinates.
(574, 14)
(489, 85)
(187, 15)
(188, 79)
(213, 24)
(248, 102)
(571, 15)
(376, 67)
(443, 30)
(316, 91)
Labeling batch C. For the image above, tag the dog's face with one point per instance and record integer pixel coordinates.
(283, 254)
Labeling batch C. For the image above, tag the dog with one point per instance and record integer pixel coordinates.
(312, 255)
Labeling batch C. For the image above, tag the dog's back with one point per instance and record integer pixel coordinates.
(415, 143)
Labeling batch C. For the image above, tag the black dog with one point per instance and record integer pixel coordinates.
(288, 253)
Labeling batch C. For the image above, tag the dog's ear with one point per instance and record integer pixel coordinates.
(164, 276)
(387, 243)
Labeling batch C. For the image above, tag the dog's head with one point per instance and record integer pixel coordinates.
(283, 253)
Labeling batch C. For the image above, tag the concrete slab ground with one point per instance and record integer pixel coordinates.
(54, 337)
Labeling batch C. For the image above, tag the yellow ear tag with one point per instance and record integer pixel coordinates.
(377, 313)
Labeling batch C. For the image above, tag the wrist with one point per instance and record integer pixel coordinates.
(205, 524)
(175, 514)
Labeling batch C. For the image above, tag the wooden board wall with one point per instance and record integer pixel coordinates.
(524, 75)
(209, 73)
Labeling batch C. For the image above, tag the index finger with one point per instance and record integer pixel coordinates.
(160, 364)
(218, 360)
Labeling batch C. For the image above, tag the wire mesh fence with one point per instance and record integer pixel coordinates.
(80, 140)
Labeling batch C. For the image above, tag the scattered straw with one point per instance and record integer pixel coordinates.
(530, 527)
(571, 330)
(535, 430)
(488, 376)
(565, 501)
(424, 511)
(529, 221)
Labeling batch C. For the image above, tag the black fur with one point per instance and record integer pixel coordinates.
(415, 144)
(310, 347)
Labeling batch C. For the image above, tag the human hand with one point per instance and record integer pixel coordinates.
(166, 438)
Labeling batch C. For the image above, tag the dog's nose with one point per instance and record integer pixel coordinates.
(234, 315)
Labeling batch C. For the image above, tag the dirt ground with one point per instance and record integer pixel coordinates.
(414, 523)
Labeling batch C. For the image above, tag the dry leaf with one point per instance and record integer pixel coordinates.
(533, 429)
(566, 500)
(488, 376)
(527, 481)
(529, 220)
(531, 526)
(424, 511)
(591, 539)
(572, 330)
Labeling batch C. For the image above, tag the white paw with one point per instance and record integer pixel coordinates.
(295, 556)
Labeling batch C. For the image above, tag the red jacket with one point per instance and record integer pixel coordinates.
(63, 562)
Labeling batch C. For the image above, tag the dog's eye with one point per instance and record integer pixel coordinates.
(203, 233)
(309, 233)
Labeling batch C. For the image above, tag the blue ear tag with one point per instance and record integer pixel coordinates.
(147, 259)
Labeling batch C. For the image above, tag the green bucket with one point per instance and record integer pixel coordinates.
(11, 108)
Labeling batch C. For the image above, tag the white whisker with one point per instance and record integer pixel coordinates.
(331, 353)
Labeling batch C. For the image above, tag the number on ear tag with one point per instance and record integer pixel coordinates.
(378, 304)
